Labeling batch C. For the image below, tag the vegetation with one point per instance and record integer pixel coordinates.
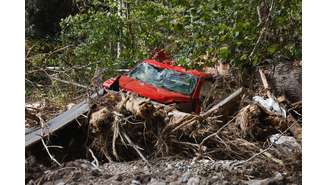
(118, 33)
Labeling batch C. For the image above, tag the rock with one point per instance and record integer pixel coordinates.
(175, 183)
(185, 177)
(85, 166)
(59, 182)
(193, 181)
(146, 169)
(273, 180)
(96, 172)
(285, 144)
(135, 182)
(119, 178)
(169, 166)
(287, 80)
(215, 177)
(156, 182)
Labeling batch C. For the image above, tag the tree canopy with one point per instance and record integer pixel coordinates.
(196, 33)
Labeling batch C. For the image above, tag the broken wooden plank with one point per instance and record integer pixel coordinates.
(57, 123)
(265, 83)
(62, 120)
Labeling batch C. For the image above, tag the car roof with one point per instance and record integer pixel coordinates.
(176, 68)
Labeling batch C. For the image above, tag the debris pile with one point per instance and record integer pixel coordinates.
(242, 127)
(39, 112)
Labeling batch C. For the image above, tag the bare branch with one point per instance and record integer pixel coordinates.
(51, 157)
(265, 150)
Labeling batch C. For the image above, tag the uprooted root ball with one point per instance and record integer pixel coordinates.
(136, 125)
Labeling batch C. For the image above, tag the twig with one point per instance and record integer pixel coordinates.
(189, 120)
(297, 113)
(133, 123)
(59, 49)
(94, 160)
(29, 50)
(135, 148)
(263, 151)
(67, 82)
(42, 122)
(55, 146)
(43, 126)
(297, 103)
(217, 132)
(33, 83)
(51, 157)
(78, 122)
(262, 30)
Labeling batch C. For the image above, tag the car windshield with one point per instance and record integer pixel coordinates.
(164, 78)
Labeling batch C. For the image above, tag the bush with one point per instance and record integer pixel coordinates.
(227, 30)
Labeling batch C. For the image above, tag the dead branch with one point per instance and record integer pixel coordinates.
(215, 133)
(67, 82)
(29, 51)
(95, 161)
(51, 157)
(265, 150)
(136, 148)
(55, 146)
(59, 50)
(222, 103)
(262, 30)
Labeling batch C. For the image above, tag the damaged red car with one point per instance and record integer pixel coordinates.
(163, 83)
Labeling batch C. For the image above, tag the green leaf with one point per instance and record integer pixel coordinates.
(272, 49)
(224, 52)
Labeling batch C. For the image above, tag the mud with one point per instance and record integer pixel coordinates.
(167, 171)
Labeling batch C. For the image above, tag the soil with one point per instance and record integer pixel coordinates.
(166, 171)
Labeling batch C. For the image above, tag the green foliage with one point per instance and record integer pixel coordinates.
(227, 30)
(118, 33)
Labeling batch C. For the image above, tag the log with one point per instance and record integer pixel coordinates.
(138, 106)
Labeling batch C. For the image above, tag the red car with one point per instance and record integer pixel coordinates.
(163, 83)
